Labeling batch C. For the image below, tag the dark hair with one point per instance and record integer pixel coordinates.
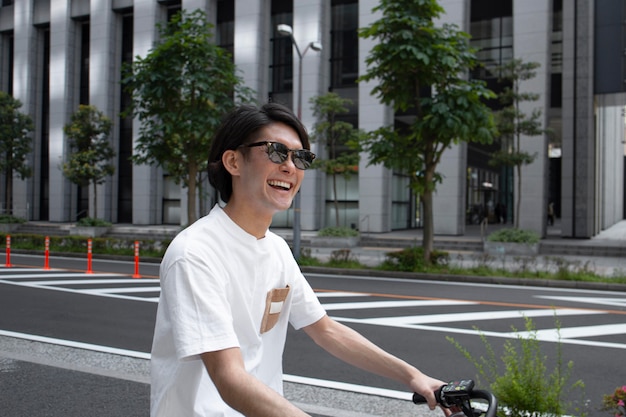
(242, 126)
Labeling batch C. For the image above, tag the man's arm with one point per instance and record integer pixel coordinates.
(351, 347)
(242, 391)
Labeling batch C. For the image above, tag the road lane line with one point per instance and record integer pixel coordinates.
(475, 316)
(51, 275)
(89, 281)
(577, 332)
(478, 332)
(74, 344)
(122, 290)
(393, 304)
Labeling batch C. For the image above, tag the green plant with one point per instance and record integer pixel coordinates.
(7, 218)
(91, 222)
(525, 388)
(513, 124)
(616, 402)
(340, 139)
(181, 90)
(91, 159)
(411, 259)
(414, 57)
(306, 259)
(337, 232)
(514, 236)
(15, 144)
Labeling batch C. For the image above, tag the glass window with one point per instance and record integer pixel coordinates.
(225, 30)
(491, 28)
(344, 43)
(281, 67)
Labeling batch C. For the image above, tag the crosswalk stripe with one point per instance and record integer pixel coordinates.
(122, 290)
(90, 282)
(476, 316)
(52, 275)
(393, 304)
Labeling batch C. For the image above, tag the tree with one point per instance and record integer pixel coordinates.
(91, 159)
(339, 137)
(15, 143)
(419, 69)
(513, 123)
(180, 91)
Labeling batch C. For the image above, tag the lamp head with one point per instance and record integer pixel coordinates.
(284, 30)
(316, 46)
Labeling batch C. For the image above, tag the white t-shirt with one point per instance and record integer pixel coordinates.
(215, 279)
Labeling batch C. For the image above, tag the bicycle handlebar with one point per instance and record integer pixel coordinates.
(458, 394)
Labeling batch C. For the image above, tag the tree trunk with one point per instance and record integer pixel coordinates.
(518, 203)
(191, 195)
(9, 192)
(335, 200)
(428, 233)
(95, 199)
(427, 207)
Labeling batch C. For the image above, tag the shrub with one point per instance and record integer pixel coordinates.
(411, 259)
(514, 236)
(524, 388)
(337, 232)
(7, 218)
(616, 403)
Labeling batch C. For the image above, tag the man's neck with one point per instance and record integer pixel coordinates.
(250, 222)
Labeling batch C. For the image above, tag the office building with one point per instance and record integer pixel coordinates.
(57, 54)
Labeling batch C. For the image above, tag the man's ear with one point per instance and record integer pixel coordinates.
(231, 160)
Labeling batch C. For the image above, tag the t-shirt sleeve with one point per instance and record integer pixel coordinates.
(306, 308)
(199, 309)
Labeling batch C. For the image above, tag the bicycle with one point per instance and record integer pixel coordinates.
(462, 396)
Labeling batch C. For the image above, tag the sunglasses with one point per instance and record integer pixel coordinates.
(278, 153)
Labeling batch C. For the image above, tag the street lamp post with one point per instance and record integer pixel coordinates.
(286, 30)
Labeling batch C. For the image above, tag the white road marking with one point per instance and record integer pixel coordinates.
(74, 344)
(477, 316)
(88, 281)
(607, 301)
(393, 304)
(122, 290)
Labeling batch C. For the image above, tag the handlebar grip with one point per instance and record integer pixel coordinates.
(420, 399)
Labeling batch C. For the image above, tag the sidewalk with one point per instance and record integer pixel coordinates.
(605, 254)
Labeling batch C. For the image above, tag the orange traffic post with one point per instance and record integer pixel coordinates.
(8, 260)
(136, 275)
(46, 262)
(89, 246)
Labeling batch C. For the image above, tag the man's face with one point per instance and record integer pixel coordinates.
(267, 186)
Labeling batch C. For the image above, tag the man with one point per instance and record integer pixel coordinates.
(230, 287)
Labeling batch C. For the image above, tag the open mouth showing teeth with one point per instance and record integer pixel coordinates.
(280, 185)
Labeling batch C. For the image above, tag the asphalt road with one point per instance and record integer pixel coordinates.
(79, 314)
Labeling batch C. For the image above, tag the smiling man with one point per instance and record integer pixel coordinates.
(230, 287)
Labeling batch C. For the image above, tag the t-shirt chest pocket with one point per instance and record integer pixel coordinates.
(274, 303)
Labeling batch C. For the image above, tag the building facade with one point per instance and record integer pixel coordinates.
(57, 54)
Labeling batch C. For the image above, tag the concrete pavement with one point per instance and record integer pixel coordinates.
(42, 379)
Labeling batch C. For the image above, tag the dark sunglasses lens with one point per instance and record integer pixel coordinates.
(303, 159)
(278, 152)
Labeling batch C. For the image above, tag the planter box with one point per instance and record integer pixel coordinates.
(510, 248)
(89, 231)
(334, 242)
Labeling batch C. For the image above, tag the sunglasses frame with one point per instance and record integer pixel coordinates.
(299, 161)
